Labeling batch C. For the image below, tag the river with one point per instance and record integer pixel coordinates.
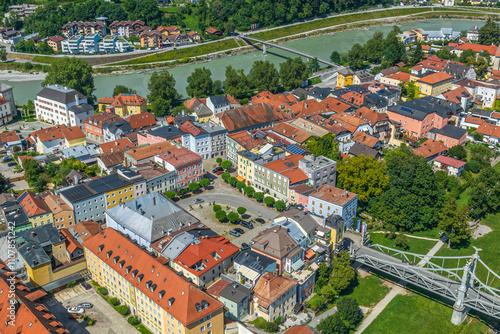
(319, 46)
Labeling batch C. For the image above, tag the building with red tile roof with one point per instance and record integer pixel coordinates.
(302, 329)
(154, 285)
(396, 78)
(123, 104)
(61, 211)
(434, 84)
(206, 259)
(144, 154)
(451, 165)
(7, 137)
(477, 48)
(307, 108)
(116, 145)
(291, 133)
(490, 132)
(35, 208)
(456, 95)
(336, 105)
(94, 125)
(213, 31)
(141, 121)
(26, 316)
(366, 139)
(352, 123)
(430, 149)
(251, 117)
(274, 296)
(188, 164)
(277, 100)
(242, 140)
(57, 138)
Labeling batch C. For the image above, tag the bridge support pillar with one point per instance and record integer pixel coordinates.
(264, 51)
(459, 314)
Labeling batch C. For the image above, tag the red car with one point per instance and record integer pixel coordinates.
(219, 172)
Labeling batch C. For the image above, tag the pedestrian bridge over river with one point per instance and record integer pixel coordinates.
(452, 277)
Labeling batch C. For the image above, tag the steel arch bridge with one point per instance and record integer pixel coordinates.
(452, 277)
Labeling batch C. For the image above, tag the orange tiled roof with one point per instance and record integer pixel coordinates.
(333, 195)
(179, 156)
(122, 100)
(203, 252)
(71, 243)
(354, 98)
(247, 139)
(270, 287)
(488, 129)
(72, 133)
(6, 137)
(56, 204)
(301, 330)
(86, 230)
(291, 132)
(289, 167)
(456, 94)
(308, 108)
(400, 76)
(365, 139)
(492, 49)
(150, 150)
(251, 115)
(184, 295)
(429, 148)
(370, 115)
(436, 78)
(117, 145)
(33, 205)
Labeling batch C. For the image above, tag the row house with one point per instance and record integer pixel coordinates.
(329, 200)
(84, 28)
(123, 105)
(159, 135)
(187, 164)
(147, 153)
(449, 135)
(157, 179)
(126, 28)
(248, 159)
(485, 92)
(94, 125)
(57, 138)
(62, 105)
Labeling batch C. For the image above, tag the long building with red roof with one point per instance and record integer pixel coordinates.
(163, 300)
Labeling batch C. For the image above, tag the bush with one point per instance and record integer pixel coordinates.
(182, 191)
(316, 302)
(85, 317)
(123, 309)
(349, 311)
(401, 241)
(71, 284)
(477, 136)
(218, 160)
(28, 66)
(193, 186)
(114, 301)
(249, 191)
(220, 215)
(102, 291)
(263, 324)
(204, 182)
(134, 320)
(170, 194)
(240, 185)
(241, 210)
(91, 322)
(258, 196)
(216, 208)
(269, 201)
(226, 164)
(233, 216)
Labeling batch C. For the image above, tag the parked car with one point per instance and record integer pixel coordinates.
(86, 285)
(260, 220)
(246, 224)
(85, 305)
(76, 312)
(7, 159)
(216, 169)
(198, 200)
(220, 172)
(11, 164)
(234, 233)
(239, 230)
(244, 245)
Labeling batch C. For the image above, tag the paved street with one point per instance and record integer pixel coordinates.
(108, 320)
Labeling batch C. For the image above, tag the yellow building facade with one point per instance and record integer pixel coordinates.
(119, 195)
(245, 168)
(41, 219)
(433, 90)
(133, 290)
(345, 77)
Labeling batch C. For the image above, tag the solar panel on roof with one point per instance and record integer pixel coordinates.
(406, 109)
(294, 149)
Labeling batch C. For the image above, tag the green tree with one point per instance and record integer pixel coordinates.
(121, 89)
(200, 83)
(193, 186)
(240, 185)
(316, 302)
(329, 293)
(44, 49)
(264, 76)
(333, 324)
(401, 241)
(373, 49)
(481, 67)
(249, 191)
(226, 164)
(232, 181)
(466, 54)
(364, 176)
(417, 55)
(28, 66)
(356, 56)
(216, 208)
(74, 73)
(454, 221)
(335, 57)
(241, 210)
(233, 216)
(40, 185)
(225, 176)
(162, 94)
(489, 33)
(323, 276)
(485, 193)
(349, 311)
(3, 54)
(444, 53)
(413, 199)
(236, 82)
(280, 205)
(325, 146)
(269, 201)
(170, 194)
(259, 197)
(218, 88)
(458, 152)
(181, 192)
(342, 273)
(220, 215)
(477, 136)
(314, 65)
(204, 182)
(218, 160)
(474, 166)
(293, 72)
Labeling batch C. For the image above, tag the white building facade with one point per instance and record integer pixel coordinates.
(53, 105)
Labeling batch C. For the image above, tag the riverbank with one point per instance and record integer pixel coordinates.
(18, 76)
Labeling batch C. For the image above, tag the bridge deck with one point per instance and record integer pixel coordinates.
(428, 280)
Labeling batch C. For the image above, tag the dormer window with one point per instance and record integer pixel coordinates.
(101, 247)
(108, 254)
(171, 301)
(153, 287)
(148, 284)
(127, 270)
(161, 294)
(134, 273)
(115, 259)
(140, 277)
(122, 262)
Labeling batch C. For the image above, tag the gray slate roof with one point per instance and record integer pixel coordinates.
(235, 292)
(81, 108)
(219, 100)
(255, 261)
(419, 108)
(306, 221)
(450, 131)
(60, 94)
(358, 149)
(30, 243)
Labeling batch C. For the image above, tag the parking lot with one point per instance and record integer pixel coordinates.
(108, 320)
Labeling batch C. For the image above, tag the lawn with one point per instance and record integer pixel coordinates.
(490, 253)
(417, 246)
(417, 314)
(368, 290)
(338, 20)
(192, 23)
(190, 52)
(464, 197)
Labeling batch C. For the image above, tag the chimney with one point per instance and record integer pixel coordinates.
(154, 200)
(58, 201)
(77, 99)
(76, 179)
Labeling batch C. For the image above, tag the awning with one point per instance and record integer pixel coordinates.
(249, 273)
(310, 253)
(321, 234)
(317, 249)
(239, 178)
(297, 265)
(61, 282)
